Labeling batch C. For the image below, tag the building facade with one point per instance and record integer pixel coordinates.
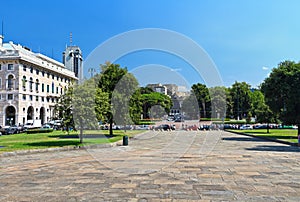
(30, 84)
(72, 59)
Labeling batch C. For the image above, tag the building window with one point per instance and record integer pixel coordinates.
(37, 98)
(56, 90)
(52, 87)
(43, 73)
(48, 88)
(43, 87)
(48, 99)
(24, 68)
(0, 96)
(24, 82)
(43, 99)
(52, 76)
(31, 69)
(0, 67)
(37, 71)
(57, 78)
(30, 84)
(10, 82)
(24, 97)
(37, 85)
(10, 96)
(0, 83)
(48, 75)
(61, 91)
(10, 67)
(30, 97)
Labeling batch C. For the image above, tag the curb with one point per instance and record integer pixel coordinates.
(265, 138)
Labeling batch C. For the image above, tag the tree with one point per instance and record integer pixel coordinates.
(123, 110)
(264, 114)
(64, 109)
(202, 94)
(154, 98)
(218, 101)
(190, 107)
(240, 93)
(107, 80)
(84, 107)
(282, 92)
(102, 105)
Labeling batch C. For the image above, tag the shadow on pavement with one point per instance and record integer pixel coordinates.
(277, 148)
(252, 139)
(84, 136)
(54, 143)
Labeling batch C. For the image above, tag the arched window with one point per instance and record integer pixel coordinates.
(10, 82)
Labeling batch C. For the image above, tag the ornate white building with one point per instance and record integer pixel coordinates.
(30, 84)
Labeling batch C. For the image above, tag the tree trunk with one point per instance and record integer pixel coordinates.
(110, 126)
(298, 136)
(81, 135)
(268, 128)
(204, 110)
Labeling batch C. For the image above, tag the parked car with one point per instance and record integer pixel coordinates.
(204, 127)
(46, 126)
(246, 127)
(165, 127)
(8, 130)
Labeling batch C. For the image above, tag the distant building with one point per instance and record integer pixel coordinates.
(31, 83)
(176, 93)
(72, 59)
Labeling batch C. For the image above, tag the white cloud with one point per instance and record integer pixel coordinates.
(265, 68)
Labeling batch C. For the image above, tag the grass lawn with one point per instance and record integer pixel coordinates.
(288, 135)
(25, 141)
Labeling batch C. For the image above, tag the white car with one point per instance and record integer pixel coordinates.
(246, 127)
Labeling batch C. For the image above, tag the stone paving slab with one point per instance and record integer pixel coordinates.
(158, 166)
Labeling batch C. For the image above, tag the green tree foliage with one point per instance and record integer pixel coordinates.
(240, 94)
(84, 107)
(119, 92)
(122, 108)
(102, 105)
(154, 98)
(282, 92)
(202, 94)
(64, 109)
(190, 107)
(264, 114)
(218, 101)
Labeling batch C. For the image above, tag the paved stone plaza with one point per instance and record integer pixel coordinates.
(158, 166)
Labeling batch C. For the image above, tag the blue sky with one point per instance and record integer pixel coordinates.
(245, 39)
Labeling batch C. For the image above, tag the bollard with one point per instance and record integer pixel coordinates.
(125, 140)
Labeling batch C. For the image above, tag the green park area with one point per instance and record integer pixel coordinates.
(287, 135)
(24, 141)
